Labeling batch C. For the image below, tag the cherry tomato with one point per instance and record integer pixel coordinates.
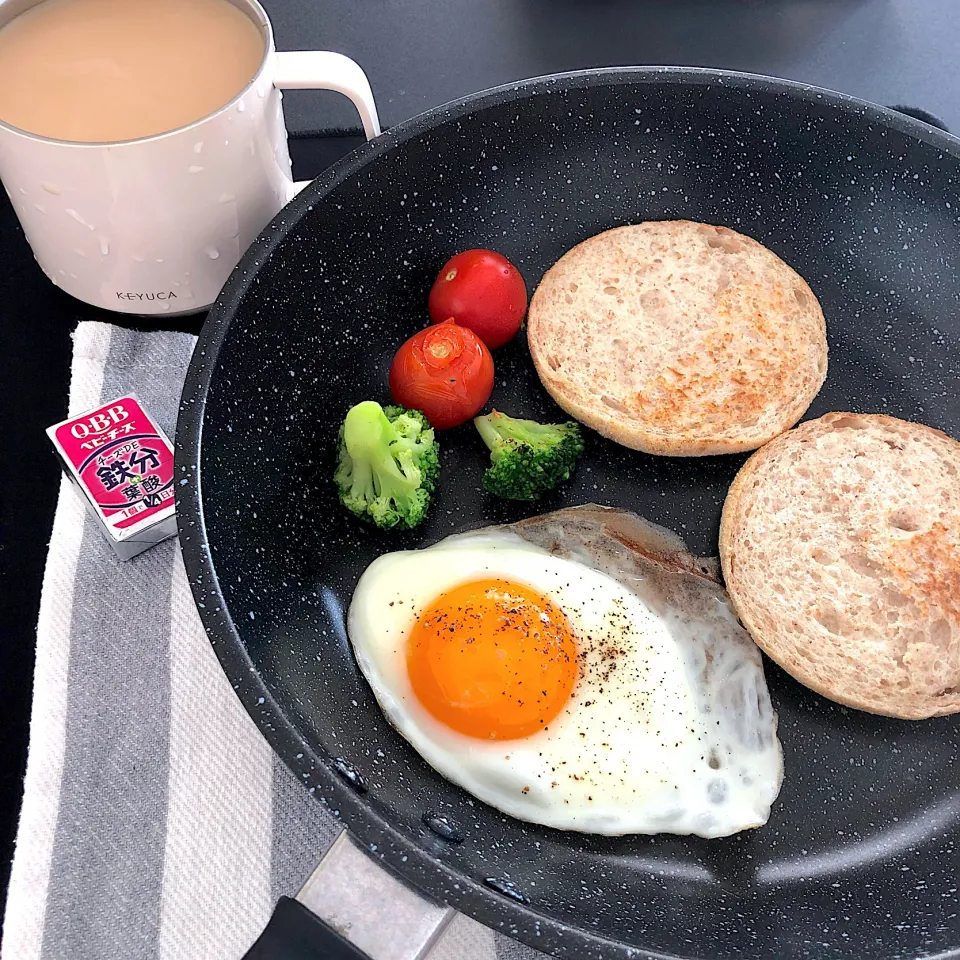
(445, 371)
(481, 290)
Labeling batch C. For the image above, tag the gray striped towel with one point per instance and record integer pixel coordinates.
(156, 821)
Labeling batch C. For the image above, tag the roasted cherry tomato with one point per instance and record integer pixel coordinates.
(481, 290)
(445, 371)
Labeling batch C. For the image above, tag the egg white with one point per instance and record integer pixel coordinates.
(640, 746)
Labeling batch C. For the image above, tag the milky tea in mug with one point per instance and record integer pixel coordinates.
(142, 142)
(99, 70)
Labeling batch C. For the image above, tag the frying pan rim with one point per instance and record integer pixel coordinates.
(395, 851)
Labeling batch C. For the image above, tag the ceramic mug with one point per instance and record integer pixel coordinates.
(155, 225)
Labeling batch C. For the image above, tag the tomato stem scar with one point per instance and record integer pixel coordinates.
(440, 350)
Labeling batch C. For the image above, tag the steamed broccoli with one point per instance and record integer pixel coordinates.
(527, 458)
(387, 465)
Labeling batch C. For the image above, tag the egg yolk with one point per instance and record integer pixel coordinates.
(493, 659)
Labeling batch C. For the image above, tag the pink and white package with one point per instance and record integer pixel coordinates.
(123, 464)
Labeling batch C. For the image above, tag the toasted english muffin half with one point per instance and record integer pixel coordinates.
(678, 338)
(840, 547)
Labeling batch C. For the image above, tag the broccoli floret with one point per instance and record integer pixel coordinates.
(527, 458)
(387, 465)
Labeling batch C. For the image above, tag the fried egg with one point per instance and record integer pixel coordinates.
(579, 670)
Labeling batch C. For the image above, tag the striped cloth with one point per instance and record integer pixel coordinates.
(156, 821)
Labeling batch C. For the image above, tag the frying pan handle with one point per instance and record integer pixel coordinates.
(380, 916)
(325, 70)
(294, 933)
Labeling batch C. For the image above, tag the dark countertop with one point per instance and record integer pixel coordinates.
(420, 54)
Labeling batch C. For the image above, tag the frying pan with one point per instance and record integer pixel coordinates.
(859, 859)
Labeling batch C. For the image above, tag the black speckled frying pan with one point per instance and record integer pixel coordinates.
(859, 859)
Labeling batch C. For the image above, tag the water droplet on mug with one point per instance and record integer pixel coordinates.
(70, 212)
(37, 206)
(138, 258)
(241, 106)
(253, 148)
(79, 252)
(198, 146)
(50, 188)
(213, 253)
(72, 274)
(24, 192)
(159, 259)
(62, 273)
(188, 295)
(226, 143)
(261, 93)
(164, 306)
(176, 283)
(194, 169)
(104, 246)
(227, 197)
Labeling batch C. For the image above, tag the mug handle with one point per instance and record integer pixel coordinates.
(325, 70)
